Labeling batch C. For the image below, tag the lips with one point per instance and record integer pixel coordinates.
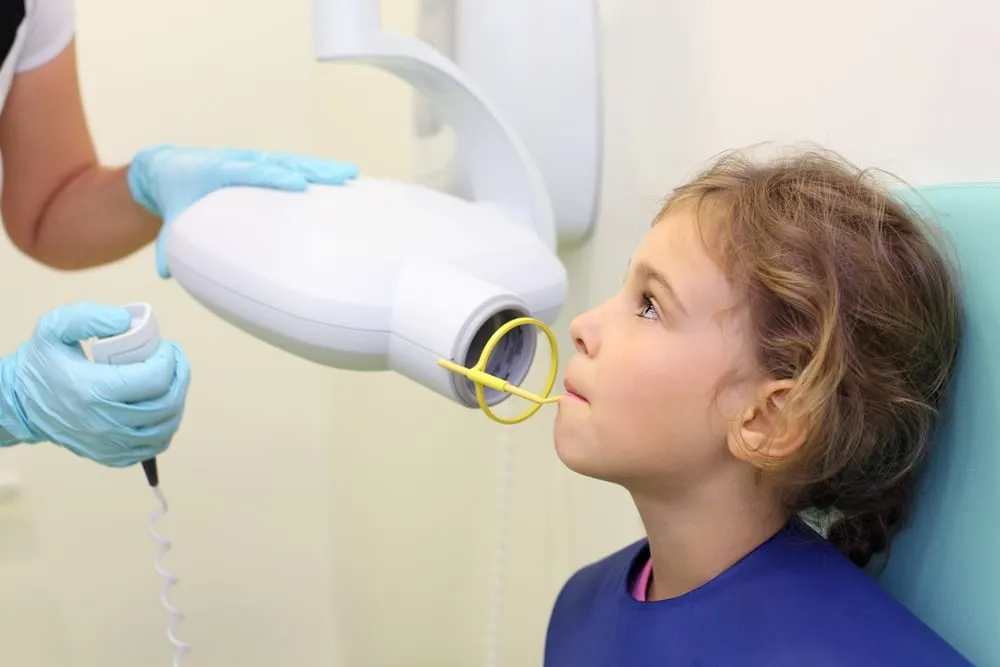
(571, 391)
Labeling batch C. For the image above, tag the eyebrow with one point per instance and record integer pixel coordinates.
(647, 272)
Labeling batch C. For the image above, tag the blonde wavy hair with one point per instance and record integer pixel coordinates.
(851, 297)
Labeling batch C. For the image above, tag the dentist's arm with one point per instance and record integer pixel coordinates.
(60, 205)
(63, 208)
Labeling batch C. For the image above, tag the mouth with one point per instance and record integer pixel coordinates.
(571, 392)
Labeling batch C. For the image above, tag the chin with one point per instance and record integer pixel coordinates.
(580, 454)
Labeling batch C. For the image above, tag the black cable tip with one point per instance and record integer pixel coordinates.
(152, 476)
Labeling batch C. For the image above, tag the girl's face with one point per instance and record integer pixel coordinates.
(661, 369)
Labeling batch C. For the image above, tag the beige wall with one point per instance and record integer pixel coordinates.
(371, 500)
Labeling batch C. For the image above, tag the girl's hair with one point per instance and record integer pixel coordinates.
(849, 297)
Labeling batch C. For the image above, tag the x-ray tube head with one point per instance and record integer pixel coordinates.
(371, 275)
(385, 275)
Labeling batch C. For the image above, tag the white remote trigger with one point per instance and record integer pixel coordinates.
(132, 346)
(129, 347)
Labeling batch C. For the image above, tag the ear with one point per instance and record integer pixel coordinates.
(766, 435)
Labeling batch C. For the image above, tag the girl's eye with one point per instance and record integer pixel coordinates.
(648, 308)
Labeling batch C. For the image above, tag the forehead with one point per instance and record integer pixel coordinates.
(675, 247)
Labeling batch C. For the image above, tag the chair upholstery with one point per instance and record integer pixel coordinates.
(945, 566)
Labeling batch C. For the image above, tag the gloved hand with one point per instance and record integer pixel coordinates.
(116, 415)
(165, 180)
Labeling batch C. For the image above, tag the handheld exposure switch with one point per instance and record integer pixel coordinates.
(135, 345)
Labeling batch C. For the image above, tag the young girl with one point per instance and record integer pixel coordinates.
(781, 345)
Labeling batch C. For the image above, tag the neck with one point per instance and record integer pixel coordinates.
(695, 537)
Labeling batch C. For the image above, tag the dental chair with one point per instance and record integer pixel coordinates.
(945, 565)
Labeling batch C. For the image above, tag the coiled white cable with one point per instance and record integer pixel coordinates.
(170, 579)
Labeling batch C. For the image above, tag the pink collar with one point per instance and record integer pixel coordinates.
(640, 589)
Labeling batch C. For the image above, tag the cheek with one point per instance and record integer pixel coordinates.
(660, 394)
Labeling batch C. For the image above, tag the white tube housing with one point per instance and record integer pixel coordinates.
(371, 275)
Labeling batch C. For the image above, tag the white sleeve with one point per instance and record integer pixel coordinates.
(49, 27)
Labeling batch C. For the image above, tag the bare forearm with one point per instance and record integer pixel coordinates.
(91, 220)
(59, 205)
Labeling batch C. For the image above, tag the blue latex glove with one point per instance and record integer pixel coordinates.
(116, 415)
(165, 180)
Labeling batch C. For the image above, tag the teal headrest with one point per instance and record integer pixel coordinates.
(945, 566)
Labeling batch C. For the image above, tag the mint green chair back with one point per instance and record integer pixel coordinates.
(945, 566)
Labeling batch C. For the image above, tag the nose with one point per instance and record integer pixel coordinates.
(583, 330)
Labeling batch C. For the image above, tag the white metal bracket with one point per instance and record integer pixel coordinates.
(522, 96)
